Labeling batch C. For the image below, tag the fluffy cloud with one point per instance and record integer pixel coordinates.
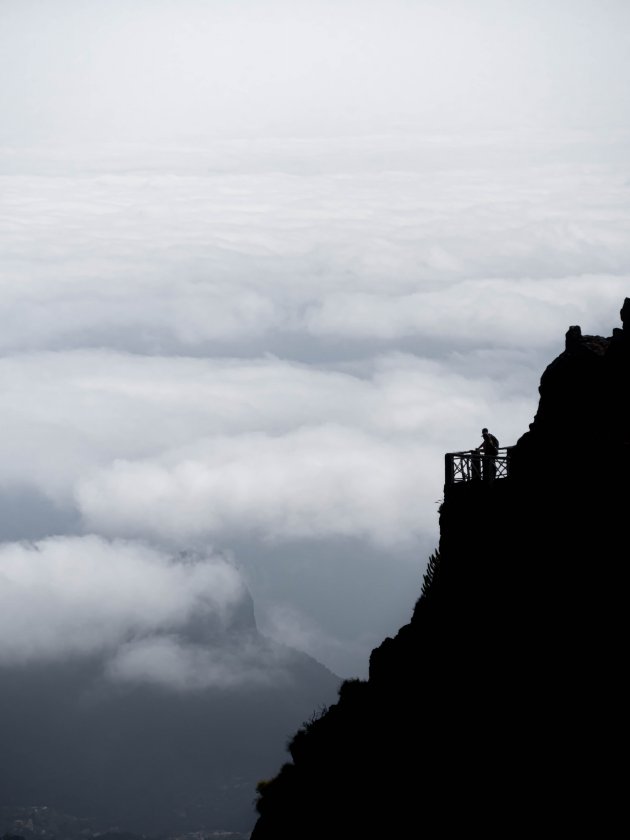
(252, 455)
(191, 449)
(84, 595)
(318, 482)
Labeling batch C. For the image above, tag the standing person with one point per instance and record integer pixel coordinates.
(490, 449)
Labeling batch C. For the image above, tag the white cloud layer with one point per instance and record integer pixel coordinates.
(176, 258)
(205, 349)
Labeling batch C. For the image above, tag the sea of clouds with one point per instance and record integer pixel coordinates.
(260, 351)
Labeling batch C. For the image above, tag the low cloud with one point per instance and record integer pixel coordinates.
(168, 662)
(298, 630)
(510, 314)
(68, 596)
(222, 250)
(336, 454)
(79, 421)
(312, 483)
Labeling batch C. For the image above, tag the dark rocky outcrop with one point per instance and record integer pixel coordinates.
(501, 707)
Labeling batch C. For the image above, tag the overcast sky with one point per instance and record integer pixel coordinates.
(262, 264)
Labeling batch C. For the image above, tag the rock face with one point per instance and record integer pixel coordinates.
(148, 758)
(501, 707)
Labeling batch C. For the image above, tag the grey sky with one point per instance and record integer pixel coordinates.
(261, 266)
(157, 67)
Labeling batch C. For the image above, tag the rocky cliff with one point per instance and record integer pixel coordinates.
(501, 706)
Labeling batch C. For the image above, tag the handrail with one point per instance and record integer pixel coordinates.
(475, 465)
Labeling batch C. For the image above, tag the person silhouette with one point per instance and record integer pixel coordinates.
(490, 449)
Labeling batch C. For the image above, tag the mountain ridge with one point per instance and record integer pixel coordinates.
(149, 757)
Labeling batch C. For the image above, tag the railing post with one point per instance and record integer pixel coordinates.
(475, 466)
(448, 469)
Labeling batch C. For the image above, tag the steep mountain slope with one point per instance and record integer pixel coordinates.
(501, 706)
(153, 759)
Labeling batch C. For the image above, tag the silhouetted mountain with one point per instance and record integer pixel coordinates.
(146, 758)
(500, 709)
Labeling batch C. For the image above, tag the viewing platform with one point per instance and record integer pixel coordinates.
(472, 465)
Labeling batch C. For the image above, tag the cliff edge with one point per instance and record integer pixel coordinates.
(501, 706)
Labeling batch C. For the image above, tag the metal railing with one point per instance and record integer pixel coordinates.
(473, 465)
